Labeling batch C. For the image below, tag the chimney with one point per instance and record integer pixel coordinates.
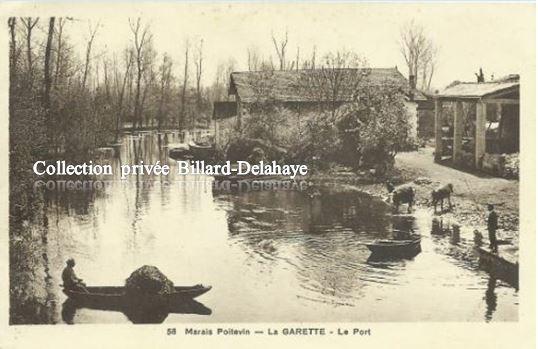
(412, 86)
(412, 82)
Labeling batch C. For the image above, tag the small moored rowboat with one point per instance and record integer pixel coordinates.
(115, 296)
(179, 151)
(201, 151)
(395, 247)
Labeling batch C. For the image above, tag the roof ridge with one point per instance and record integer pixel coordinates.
(309, 69)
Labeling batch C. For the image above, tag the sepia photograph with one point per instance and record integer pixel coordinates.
(246, 163)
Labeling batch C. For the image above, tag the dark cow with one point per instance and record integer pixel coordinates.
(403, 194)
(440, 194)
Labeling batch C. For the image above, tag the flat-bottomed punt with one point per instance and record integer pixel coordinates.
(201, 151)
(178, 151)
(395, 248)
(503, 264)
(115, 296)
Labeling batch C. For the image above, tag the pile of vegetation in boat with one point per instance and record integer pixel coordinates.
(148, 280)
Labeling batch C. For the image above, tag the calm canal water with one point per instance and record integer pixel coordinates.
(270, 255)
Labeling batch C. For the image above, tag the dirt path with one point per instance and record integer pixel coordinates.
(471, 192)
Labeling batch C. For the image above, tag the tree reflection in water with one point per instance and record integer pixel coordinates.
(325, 231)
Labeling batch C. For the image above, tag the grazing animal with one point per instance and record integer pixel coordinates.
(267, 245)
(404, 194)
(440, 194)
(477, 238)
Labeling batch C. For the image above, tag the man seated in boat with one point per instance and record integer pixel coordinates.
(70, 279)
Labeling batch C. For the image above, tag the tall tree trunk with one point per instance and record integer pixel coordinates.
(199, 70)
(12, 22)
(107, 82)
(184, 90)
(122, 94)
(164, 74)
(58, 67)
(297, 59)
(47, 72)
(88, 55)
(140, 38)
(29, 25)
(47, 83)
(137, 99)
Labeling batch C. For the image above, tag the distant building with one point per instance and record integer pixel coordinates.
(252, 89)
(475, 123)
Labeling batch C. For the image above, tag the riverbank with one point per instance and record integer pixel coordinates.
(472, 193)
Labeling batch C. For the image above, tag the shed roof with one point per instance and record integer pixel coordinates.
(475, 90)
(289, 86)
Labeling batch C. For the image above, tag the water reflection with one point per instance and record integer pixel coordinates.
(304, 248)
(491, 298)
(137, 315)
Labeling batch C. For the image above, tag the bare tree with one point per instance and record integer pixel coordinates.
(128, 56)
(336, 82)
(12, 23)
(280, 48)
(267, 64)
(165, 73)
(429, 64)
(313, 61)
(59, 46)
(183, 109)
(141, 36)
(297, 58)
(199, 69)
(93, 32)
(106, 80)
(149, 79)
(63, 55)
(47, 68)
(29, 23)
(419, 53)
(253, 58)
(224, 70)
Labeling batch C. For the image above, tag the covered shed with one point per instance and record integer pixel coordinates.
(475, 122)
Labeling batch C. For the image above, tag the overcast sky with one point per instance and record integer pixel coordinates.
(496, 37)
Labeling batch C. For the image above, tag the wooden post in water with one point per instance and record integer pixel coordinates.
(455, 234)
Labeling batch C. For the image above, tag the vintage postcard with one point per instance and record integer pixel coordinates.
(269, 173)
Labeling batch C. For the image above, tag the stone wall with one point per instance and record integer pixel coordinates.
(426, 123)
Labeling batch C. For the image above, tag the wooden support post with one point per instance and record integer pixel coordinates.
(480, 135)
(458, 134)
(438, 130)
